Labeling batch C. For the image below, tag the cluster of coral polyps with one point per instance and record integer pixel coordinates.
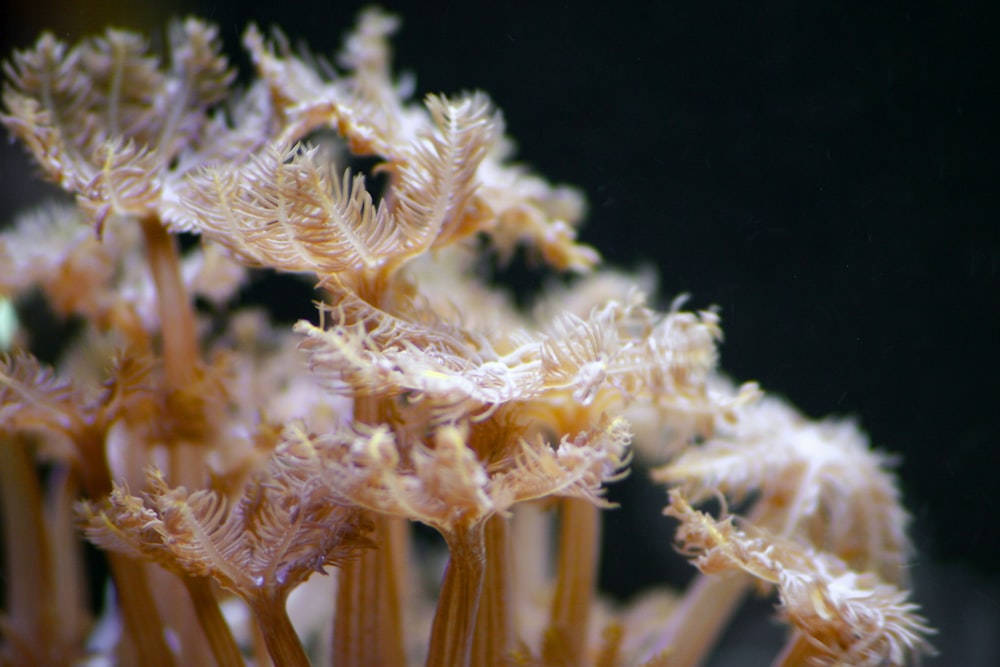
(221, 459)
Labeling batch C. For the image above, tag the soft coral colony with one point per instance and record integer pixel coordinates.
(199, 443)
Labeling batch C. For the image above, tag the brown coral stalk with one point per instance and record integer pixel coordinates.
(180, 338)
(532, 559)
(367, 628)
(367, 622)
(143, 625)
(282, 641)
(66, 552)
(579, 553)
(217, 632)
(458, 604)
(29, 616)
(138, 611)
(494, 631)
(180, 341)
(180, 358)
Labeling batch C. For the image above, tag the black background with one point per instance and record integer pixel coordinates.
(825, 172)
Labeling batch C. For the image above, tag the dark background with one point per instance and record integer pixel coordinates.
(825, 172)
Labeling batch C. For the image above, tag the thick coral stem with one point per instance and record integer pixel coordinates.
(138, 611)
(458, 604)
(143, 624)
(217, 632)
(282, 641)
(180, 340)
(579, 553)
(367, 627)
(70, 595)
(27, 571)
(180, 358)
(494, 630)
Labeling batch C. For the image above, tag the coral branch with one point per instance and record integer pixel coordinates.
(367, 623)
(213, 624)
(28, 614)
(180, 341)
(282, 642)
(494, 624)
(576, 582)
(454, 625)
